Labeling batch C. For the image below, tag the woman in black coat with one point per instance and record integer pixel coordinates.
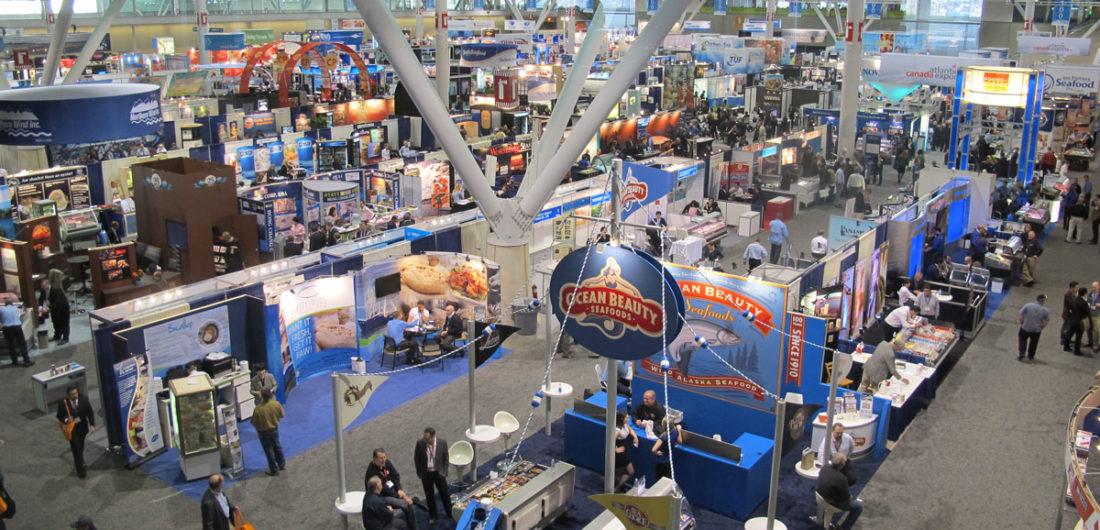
(59, 314)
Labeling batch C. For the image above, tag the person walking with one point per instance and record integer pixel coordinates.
(266, 418)
(431, 459)
(1093, 300)
(1034, 317)
(75, 411)
(754, 255)
(59, 310)
(1078, 214)
(1080, 320)
(778, 236)
(13, 333)
(217, 511)
(1069, 300)
(819, 246)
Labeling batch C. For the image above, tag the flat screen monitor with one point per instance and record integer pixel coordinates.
(387, 285)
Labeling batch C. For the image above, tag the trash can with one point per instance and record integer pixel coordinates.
(525, 317)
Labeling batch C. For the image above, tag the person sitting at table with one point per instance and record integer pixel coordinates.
(649, 410)
(905, 293)
(670, 436)
(843, 443)
(624, 468)
(419, 315)
(833, 485)
(928, 303)
(881, 366)
(452, 328)
(395, 328)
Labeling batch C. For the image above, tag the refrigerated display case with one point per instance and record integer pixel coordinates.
(195, 425)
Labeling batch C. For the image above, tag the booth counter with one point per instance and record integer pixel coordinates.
(528, 495)
(728, 478)
(906, 399)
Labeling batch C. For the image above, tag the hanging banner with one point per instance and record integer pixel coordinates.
(61, 114)
(1071, 80)
(643, 185)
(641, 513)
(506, 89)
(1061, 13)
(258, 37)
(651, 6)
(1066, 46)
(354, 392)
(608, 296)
(930, 70)
(794, 10)
(318, 318)
(486, 346)
(532, 5)
(843, 230)
(137, 399)
(305, 154)
(350, 37)
(220, 42)
(720, 7)
(716, 305)
(486, 55)
(874, 11)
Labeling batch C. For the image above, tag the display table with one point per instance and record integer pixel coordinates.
(1078, 159)
(862, 429)
(732, 210)
(52, 388)
(528, 495)
(687, 251)
(481, 434)
(781, 208)
(608, 521)
(718, 482)
(555, 390)
(806, 191)
(352, 505)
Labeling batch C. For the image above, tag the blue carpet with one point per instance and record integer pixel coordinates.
(309, 419)
(795, 502)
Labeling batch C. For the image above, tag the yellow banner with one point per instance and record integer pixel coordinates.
(641, 513)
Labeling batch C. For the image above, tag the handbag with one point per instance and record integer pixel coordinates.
(67, 426)
(7, 504)
(239, 522)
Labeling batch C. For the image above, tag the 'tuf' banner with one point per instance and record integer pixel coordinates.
(643, 185)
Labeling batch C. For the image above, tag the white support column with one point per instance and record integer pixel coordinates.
(1029, 15)
(621, 79)
(203, 22)
(849, 92)
(419, 20)
(770, 14)
(570, 92)
(90, 47)
(825, 22)
(442, 57)
(550, 4)
(385, 29)
(57, 42)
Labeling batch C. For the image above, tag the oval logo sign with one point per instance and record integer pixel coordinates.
(614, 308)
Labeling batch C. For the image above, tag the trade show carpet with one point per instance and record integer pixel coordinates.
(309, 419)
(794, 507)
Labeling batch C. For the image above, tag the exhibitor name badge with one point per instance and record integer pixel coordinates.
(615, 307)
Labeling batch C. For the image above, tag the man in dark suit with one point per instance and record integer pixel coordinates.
(392, 493)
(318, 238)
(76, 409)
(217, 512)
(833, 485)
(376, 514)
(432, 459)
(452, 329)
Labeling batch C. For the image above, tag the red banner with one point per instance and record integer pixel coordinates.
(794, 349)
(722, 381)
(762, 318)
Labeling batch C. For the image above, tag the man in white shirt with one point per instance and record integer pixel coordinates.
(905, 293)
(755, 254)
(819, 245)
(855, 184)
(901, 318)
(928, 303)
(419, 314)
(842, 443)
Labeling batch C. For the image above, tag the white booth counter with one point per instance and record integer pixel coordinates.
(861, 427)
(895, 390)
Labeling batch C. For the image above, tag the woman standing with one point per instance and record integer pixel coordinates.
(670, 437)
(624, 468)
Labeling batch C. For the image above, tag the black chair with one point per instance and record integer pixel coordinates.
(390, 348)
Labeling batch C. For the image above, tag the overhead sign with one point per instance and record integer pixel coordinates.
(609, 299)
(643, 185)
(217, 42)
(874, 11)
(1061, 13)
(696, 25)
(1071, 80)
(999, 87)
(519, 25)
(486, 55)
(1066, 46)
(58, 115)
(930, 70)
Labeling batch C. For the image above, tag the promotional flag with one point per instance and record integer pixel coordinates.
(486, 346)
(642, 513)
(354, 391)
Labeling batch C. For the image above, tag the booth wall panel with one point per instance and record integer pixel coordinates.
(449, 240)
(103, 346)
(422, 245)
(346, 265)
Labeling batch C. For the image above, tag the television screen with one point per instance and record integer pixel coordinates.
(387, 285)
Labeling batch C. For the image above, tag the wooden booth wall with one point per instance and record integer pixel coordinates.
(199, 195)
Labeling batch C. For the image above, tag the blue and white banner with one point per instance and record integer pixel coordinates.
(305, 154)
(350, 37)
(276, 153)
(479, 5)
(874, 11)
(541, 89)
(1067, 46)
(843, 230)
(138, 404)
(720, 7)
(532, 5)
(1071, 80)
(794, 10)
(60, 115)
(651, 6)
(930, 70)
(1061, 13)
(219, 42)
(489, 55)
(320, 325)
(188, 337)
(643, 185)
(246, 161)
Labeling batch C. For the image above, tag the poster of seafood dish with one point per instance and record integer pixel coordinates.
(139, 406)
